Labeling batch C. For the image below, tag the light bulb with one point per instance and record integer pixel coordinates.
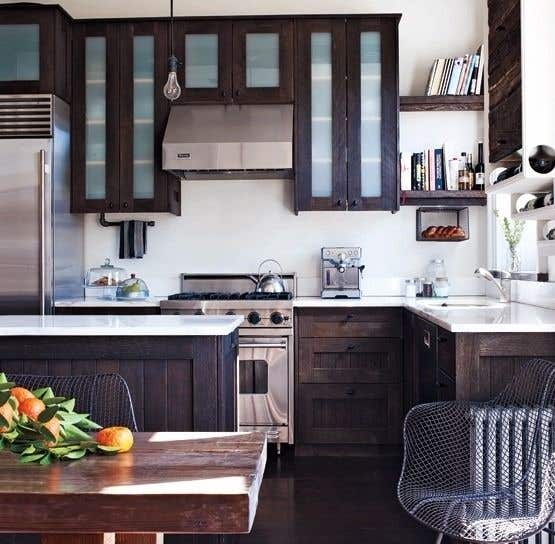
(172, 90)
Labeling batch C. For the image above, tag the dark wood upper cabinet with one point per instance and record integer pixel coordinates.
(347, 127)
(204, 49)
(35, 50)
(321, 109)
(235, 61)
(373, 113)
(119, 119)
(95, 118)
(263, 61)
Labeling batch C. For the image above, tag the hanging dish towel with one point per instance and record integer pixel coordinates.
(132, 239)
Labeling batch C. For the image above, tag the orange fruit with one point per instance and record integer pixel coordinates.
(7, 412)
(54, 427)
(116, 437)
(21, 394)
(32, 408)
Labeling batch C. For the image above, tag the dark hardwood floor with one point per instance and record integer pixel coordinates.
(325, 500)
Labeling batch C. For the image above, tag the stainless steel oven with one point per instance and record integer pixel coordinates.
(265, 375)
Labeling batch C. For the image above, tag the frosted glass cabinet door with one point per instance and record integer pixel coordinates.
(19, 52)
(263, 61)
(372, 124)
(320, 105)
(143, 117)
(205, 50)
(95, 117)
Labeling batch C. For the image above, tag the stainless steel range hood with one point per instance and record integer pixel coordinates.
(229, 142)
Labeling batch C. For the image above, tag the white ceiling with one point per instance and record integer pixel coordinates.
(157, 8)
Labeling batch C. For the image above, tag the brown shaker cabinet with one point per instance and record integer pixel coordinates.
(119, 116)
(35, 50)
(349, 376)
(243, 61)
(347, 97)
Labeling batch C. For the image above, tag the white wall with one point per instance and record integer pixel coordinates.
(231, 226)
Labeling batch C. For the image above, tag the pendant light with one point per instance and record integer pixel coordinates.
(172, 90)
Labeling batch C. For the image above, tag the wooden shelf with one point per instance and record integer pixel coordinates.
(519, 184)
(442, 103)
(443, 198)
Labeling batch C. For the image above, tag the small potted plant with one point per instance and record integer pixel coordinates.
(512, 231)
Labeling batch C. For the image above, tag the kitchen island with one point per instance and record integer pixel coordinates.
(181, 370)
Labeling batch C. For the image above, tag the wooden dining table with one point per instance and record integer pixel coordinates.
(197, 483)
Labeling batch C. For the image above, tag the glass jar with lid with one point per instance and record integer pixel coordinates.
(132, 288)
(436, 269)
(105, 278)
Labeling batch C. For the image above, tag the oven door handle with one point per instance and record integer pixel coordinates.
(268, 345)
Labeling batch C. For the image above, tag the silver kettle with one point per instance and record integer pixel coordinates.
(269, 282)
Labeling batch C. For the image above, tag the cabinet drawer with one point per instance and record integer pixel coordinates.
(350, 323)
(347, 360)
(350, 414)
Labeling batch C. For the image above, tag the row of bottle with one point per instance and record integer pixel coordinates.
(435, 284)
(469, 176)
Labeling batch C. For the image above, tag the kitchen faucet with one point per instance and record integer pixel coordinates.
(503, 284)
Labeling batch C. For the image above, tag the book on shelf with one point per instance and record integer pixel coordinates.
(460, 76)
(425, 171)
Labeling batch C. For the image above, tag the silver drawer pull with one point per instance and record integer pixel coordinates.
(427, 339)
(252, 346)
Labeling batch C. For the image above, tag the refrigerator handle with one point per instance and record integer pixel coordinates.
(42, 196)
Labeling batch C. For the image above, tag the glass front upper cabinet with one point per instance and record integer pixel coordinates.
(205, 50)
(19, 52)
(372, 127)
(143, 117)
(95, 118)
(263, 63)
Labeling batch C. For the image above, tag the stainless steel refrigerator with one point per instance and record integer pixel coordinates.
(41, 243)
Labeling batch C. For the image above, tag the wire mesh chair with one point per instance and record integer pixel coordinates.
(105, 397)
(484, 472)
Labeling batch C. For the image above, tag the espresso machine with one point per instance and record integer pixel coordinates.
(341, 272)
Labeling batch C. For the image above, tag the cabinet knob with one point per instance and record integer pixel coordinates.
(354, 203)
(442, 339)
(125, 205)
(110, 205)
(237, 92)
(223, 94)
(501, 142)
(348, 317)
(338, 203)
(350, 348)
(350, 391)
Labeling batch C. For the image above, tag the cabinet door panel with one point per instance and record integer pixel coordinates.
(373, 106)
(321, 170)
(263, 61)
(27, 50)
(350, 414)
(348, 360)
(204, 48)
(95, 112)
(143, 50)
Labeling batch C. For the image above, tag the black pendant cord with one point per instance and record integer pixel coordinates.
(171, 28)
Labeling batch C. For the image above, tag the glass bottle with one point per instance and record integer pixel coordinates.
(480, 170)
(470, 170)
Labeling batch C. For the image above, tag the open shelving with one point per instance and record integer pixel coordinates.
(442, 103)
(521, 184)
(443, 198)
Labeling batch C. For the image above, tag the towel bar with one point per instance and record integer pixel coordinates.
(102, 220)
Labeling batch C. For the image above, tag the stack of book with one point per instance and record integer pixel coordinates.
(461, 76)
(426, 171)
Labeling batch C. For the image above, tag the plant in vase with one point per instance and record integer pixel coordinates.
(512, 232)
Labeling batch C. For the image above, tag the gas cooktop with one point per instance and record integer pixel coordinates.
(231, 296)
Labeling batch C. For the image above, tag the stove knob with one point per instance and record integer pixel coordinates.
(230, 312)
(199, 312)
(277, 318)
(254, 318)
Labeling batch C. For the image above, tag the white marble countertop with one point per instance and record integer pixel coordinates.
(95, 302)
(493, 317)
(113, 325)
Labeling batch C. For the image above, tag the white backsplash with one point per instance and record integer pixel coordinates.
(230, 226)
